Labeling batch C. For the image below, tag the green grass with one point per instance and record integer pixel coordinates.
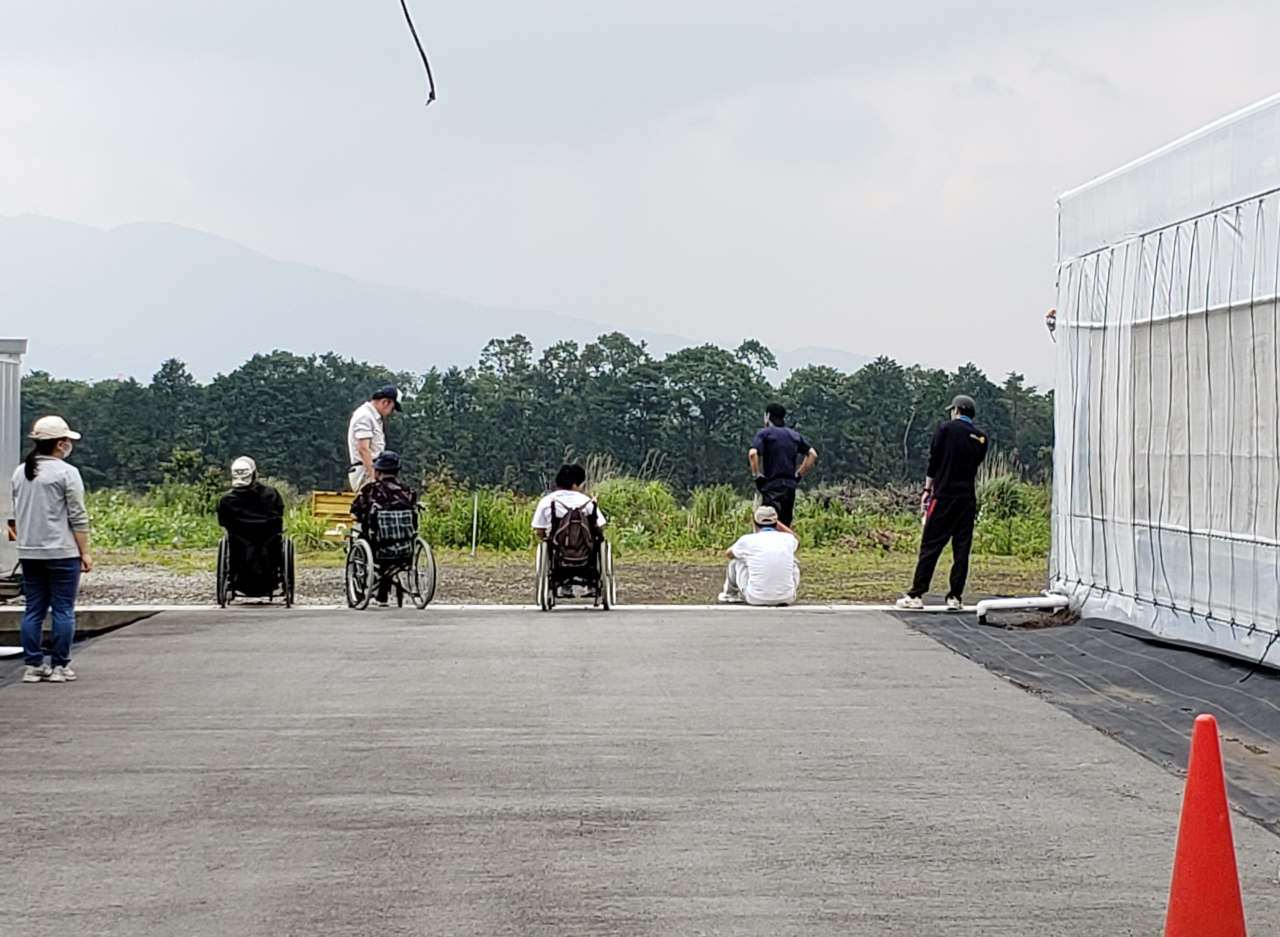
(645, 519)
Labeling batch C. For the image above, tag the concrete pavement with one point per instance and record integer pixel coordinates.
(482, 772)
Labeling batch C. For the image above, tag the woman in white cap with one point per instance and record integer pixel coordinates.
(53, 545)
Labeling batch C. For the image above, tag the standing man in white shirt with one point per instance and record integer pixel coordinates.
(762, 565)
(366, 437)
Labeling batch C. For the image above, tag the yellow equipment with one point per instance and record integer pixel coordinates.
(334, 507)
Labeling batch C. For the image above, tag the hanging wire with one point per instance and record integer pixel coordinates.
(1265, 652)
(1186, 416)
(1259, 244)
(1275, 421)
(1237, 243)
(1103, 441)
(1212, 436)
(431, 82)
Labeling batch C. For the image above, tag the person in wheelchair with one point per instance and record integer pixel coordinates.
(385, 493)
(252, 513)
(564, 518)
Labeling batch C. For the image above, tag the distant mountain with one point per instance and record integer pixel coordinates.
(845, 361)
(98, 304)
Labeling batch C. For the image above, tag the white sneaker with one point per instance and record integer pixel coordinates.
(56, 676)
(62, 674)
(909, 602)
(724, 598)
(954, 603)
(36, 674)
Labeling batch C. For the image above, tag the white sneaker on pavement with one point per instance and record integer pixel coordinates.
(62, 674)
(36, 674)
(725, 598)
(954, 603)
(909, 602)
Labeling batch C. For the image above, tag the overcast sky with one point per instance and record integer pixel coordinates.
(878, 177)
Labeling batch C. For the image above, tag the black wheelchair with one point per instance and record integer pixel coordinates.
(389, 554)
(592, 570)
(255, 565)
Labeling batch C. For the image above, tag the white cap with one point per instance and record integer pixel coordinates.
(52, 427)
(243, 471)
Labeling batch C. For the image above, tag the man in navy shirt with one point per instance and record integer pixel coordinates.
(774, 457)
(950, 502)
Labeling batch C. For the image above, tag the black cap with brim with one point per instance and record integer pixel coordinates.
(388, 392)
(963, 402)
(387, 462)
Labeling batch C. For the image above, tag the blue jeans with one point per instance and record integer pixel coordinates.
(48, 583)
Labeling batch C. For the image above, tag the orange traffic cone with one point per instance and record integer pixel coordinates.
(1204, 899)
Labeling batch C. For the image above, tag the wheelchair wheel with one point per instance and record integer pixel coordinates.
(608, 584)
(542, 569)
(421, 575)
(224, 572)
(286, 572)
(360, 574)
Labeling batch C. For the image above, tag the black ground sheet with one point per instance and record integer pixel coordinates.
(1143, 694)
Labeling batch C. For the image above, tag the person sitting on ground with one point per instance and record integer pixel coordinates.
(252, 513)
(554, 506)
(388, 493)
(762, 565)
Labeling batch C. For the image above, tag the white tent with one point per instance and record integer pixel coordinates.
(11, 352)
(1166, 507)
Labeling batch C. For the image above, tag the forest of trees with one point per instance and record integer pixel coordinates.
(510, 421)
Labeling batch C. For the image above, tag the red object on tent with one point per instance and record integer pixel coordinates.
(1204, 898)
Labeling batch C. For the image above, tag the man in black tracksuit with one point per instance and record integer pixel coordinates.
(950, 502)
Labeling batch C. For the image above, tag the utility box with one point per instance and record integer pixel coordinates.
(11, 352)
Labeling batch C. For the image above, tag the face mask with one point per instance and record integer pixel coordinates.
(67, 446)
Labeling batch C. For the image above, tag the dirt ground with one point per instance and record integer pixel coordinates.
(186, 577)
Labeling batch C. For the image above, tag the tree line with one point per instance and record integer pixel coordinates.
(511, 419)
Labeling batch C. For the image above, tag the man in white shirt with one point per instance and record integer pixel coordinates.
(366, 437)
(567, 496)
(762, 565)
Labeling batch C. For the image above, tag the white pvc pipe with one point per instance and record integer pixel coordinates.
(1032, 601)
(475, 522)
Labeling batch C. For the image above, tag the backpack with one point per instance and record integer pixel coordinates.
(573, 537)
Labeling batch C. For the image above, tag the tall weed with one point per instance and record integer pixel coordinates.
(642, 514)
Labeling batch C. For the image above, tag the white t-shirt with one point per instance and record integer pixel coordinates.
(366, 423)
(567, 499)
(772, 573)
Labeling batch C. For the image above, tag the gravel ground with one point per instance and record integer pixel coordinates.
(499, 583)
(186, 578)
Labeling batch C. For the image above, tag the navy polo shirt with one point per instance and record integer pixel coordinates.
(780, 449)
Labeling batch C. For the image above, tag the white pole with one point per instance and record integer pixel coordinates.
(475, 522)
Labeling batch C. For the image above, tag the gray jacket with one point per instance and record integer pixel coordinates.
(47, 509)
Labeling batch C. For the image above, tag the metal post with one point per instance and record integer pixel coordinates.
(475, 522)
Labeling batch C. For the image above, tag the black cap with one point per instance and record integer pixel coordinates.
(964, 404)
(777, 412)
(388, 392)
(387, 462)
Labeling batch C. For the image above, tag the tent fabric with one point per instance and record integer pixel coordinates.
(1167, 452)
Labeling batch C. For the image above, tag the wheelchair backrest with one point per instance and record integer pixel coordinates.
(393, 532)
